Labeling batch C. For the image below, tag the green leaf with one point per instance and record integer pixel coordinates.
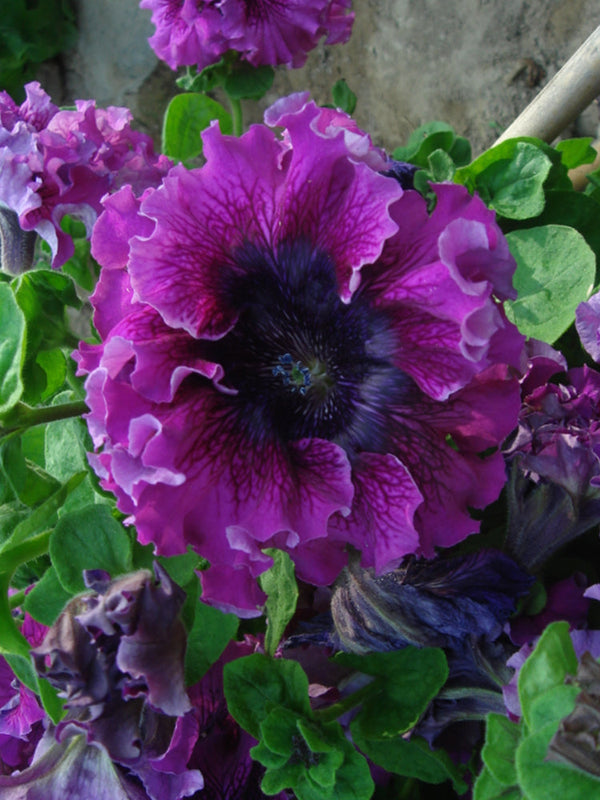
(406, 681)
(66, 445)
(279, 584)
(13, 467)
(353, 779)
(23, 669)
(12, 350)
(54, 367)
(343, 96)
(10, 516)
(546, 668)
(53, 705)
(555, 272)
(317, 764)
(277, 731)
(209, 636)
(509, 178)
(89, 539)
(488, 788)
(412, 758)
(441, 166)
(552, 706)
(424, 140)
(574, 209)
(187, 115)
(47, 598)
(39, 519)
(248, 82)
(256, 684)
(576, 152)
(43, 295)
(501, 739)
(540, 779)
(181, 568)
(208, 79)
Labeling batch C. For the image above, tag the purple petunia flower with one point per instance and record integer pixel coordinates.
(21, 715)
(554, 489)
(587, 322)
(116, 656)
(199, 32)
(55, 162)
(297, 355)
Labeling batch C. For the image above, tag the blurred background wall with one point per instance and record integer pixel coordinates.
(472, 63)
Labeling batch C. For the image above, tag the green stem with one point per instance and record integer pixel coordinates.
(16, 599)
(408, 789)
(24, 416)
(337, 709)
(236, 115)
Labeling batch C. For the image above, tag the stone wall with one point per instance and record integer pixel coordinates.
(472, 63)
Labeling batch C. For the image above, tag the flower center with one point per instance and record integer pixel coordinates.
(304, 363)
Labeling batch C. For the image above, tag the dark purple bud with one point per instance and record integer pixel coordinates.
(402, 171)
(16, 245)
(427, 603)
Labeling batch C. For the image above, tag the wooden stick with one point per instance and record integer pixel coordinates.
(561, 101)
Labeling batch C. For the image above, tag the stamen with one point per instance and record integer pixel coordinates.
(293, 374)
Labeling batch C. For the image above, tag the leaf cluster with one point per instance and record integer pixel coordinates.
(32, 31)
(269, 698)
(515, 753)
(308, 751)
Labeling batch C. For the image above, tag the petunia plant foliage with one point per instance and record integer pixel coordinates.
(299, 443)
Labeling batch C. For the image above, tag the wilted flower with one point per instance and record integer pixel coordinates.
(199, 32)
(460, 604)
(437, 603)
(297, 355)
(55, 162)
(554, 486)
(116, 656)
(577, 740)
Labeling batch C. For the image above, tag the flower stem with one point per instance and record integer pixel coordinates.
(24, 416)
(16, 599)
(236, 115)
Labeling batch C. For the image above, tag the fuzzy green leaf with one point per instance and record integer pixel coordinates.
(187, 115)
(547, 667)
(12, 350)
(501, 739)
(279, 584)
(555, 272)
(89, 539)
(209, 636)
(256, 684)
